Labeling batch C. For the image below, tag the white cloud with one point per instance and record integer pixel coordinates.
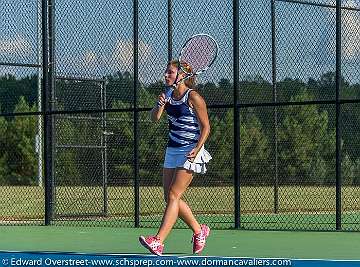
(5, 70)
(350, 31)
(351, 3)
(15, 45)
(86, 64)
(90, 57)
(344, 3)
(96, 64)
(122, 57)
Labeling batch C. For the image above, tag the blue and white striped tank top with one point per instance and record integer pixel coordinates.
(183, 124)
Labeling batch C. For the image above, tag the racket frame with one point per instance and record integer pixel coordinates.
(191, 74)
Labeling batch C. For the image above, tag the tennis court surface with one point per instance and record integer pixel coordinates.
(235, 243)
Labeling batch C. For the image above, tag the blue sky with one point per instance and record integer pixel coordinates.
(94, 38)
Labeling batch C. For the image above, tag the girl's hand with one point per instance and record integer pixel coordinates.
(161, 100)
(192, 154)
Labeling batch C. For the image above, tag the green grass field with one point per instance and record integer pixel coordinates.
(311, 208)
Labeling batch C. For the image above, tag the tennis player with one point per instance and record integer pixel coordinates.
(185, 153)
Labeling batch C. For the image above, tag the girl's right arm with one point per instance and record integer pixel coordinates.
(158, 110)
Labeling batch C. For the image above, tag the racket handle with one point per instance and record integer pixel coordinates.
(168, 92)
(159, 105)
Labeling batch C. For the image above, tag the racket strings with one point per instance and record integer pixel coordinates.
(199, 53)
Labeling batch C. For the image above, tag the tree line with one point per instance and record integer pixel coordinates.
(302, 135)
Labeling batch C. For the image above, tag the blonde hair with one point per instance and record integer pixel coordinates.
(189, 82)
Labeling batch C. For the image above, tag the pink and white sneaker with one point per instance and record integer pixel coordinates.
(199, 239)
(153, 244)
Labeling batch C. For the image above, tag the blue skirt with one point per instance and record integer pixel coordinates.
(175, 157)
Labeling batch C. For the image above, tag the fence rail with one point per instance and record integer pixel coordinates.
(77, 82)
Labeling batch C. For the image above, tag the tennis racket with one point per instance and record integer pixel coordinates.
(200, 52)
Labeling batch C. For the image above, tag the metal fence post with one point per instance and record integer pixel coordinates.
(274, 78)
(236, 53)
(170, 32)
(136, 114)
(338, 115)
(104, 148)
(39, 134)
(47, 100)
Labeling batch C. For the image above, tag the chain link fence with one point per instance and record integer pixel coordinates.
(21, 178)
(77, 146)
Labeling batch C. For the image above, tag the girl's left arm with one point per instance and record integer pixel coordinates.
(200, 108)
